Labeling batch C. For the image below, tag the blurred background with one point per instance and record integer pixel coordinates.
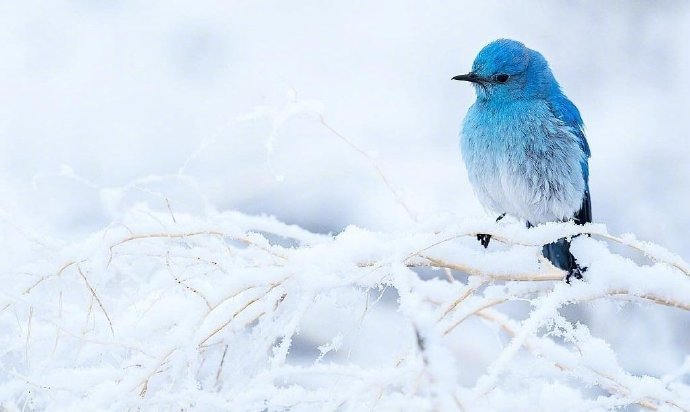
(212, 105)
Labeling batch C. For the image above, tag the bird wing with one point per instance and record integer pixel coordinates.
(584, 215)
(567, 112)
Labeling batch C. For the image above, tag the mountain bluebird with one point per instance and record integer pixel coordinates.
(524, 146)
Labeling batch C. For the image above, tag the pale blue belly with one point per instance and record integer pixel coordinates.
(528, 166)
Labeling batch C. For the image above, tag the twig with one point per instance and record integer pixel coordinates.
(617, 387)
(28, 335)
(172, 215)
(479, 309)
(550, 275)
(641, 249)
(626, 294)
(185, 235)
(584, 231)
(372, 162)
(234, 315)
(222, 361)
(468, 291)
(98, 300)
(183, 284)
(145, 382)
(43, 278)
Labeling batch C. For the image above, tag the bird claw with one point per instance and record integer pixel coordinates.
(484, 239)
(576, 273)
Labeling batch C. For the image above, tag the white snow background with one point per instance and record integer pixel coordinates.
(236, 205)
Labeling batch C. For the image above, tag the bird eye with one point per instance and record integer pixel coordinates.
(501, 78)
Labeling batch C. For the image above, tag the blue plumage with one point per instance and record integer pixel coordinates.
(523, 143)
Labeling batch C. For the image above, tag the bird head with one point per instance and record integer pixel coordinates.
(508, 70)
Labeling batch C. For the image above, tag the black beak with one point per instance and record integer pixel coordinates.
(469, 77)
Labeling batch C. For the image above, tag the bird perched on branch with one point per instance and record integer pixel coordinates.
(524, 145)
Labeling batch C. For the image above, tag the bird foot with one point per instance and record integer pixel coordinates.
(575, 273)
(484, 239)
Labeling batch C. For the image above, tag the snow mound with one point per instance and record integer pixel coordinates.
(166, 311)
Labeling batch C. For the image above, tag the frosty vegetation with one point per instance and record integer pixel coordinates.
(226, 311)
(237, 312)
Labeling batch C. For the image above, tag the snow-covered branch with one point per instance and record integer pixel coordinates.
(237, 312)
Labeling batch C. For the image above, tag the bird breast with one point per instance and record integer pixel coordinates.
(523, 160)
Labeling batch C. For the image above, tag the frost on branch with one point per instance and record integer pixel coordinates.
(237, 312)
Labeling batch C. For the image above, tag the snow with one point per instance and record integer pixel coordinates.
(206, 312)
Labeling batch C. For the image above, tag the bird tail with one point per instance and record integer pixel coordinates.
(559, 254)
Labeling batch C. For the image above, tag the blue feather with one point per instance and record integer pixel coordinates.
(523, 142)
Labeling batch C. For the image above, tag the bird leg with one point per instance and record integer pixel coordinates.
(576, 272)
(483, 238)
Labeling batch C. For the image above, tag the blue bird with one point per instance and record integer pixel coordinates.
(524, 145)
